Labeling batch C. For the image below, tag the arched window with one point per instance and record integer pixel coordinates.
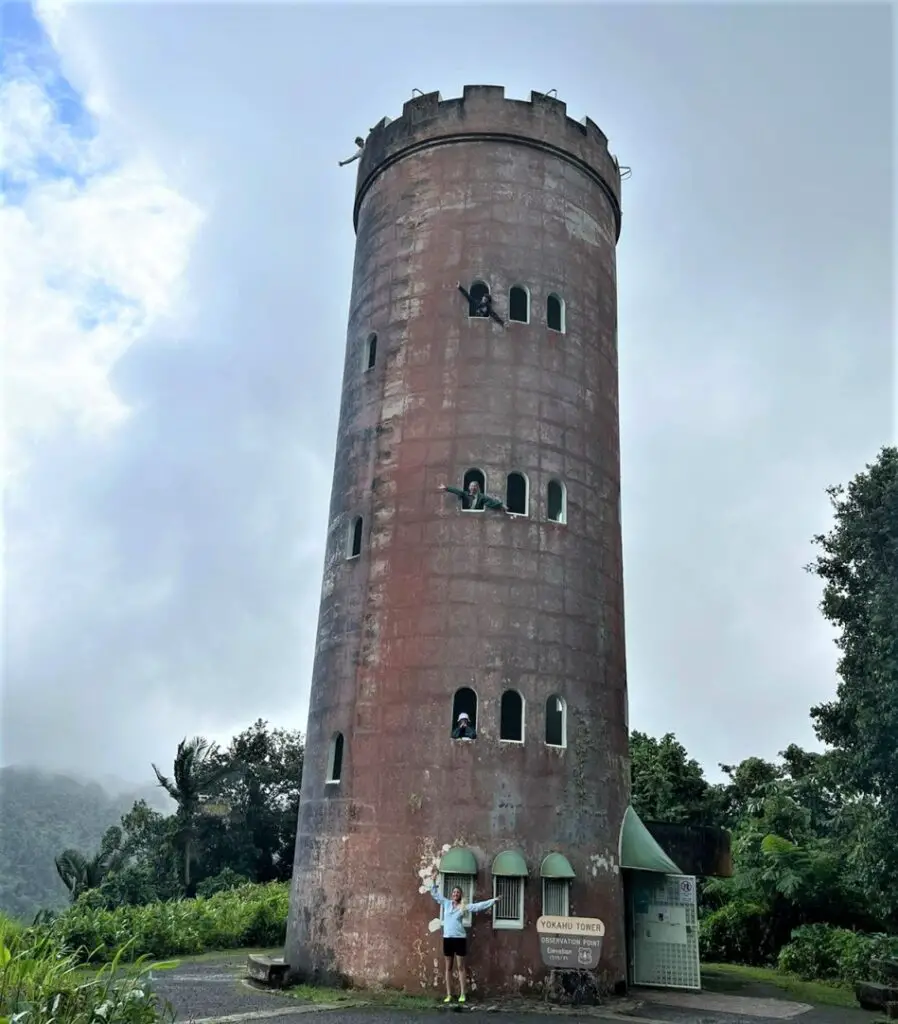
(479, 299)
(371, 353)
(556, 721)
(555, 313)
(474, 476)
(517, 494)
(519, 305)
(557, 876)
(335, 759)
(509, 875)
(556, 501)
(511, 717)
(355, 538)
(464, 703)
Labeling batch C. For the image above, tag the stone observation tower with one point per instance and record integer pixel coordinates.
(428, 610)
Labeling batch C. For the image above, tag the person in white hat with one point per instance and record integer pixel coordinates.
(463, 729)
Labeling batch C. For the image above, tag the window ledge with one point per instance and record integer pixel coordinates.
(557, 746)
(353, 558)
(517, 743)
(507, 926)
(332, 782)
(463, 739)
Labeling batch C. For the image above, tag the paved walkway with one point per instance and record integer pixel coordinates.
(214, 992)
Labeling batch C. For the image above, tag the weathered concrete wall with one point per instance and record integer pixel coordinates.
(511, 193)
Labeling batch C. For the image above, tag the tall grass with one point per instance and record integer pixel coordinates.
(42, 984)
(250, 915)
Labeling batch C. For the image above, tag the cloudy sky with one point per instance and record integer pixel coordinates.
(177, 256)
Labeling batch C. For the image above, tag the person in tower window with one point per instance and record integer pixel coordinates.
(463, 729)
(455, 938)
(360, 142)
(473, 499)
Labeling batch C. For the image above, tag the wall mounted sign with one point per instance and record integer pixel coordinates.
(571, 943)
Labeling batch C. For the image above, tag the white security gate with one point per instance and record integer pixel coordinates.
(664, 931)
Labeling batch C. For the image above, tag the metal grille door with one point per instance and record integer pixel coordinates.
(665, 931)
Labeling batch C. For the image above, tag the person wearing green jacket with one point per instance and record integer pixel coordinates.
(474, 500)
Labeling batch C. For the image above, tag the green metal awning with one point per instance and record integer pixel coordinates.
(556, 865)
(458, 861)
(638, 849)
(510, 864)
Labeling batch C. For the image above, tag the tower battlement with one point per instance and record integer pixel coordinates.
(483, 112)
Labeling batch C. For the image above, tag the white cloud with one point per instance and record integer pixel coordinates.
(95, 247)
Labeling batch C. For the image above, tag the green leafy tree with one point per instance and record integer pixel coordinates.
(198, 773)
(80, 874)
(858, 564)
(668, 785)
(256, 834)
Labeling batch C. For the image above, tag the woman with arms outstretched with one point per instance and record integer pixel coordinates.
(455, 938)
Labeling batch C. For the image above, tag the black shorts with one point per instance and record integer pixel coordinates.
(455, 947)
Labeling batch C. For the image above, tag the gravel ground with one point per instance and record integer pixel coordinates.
(198, 991)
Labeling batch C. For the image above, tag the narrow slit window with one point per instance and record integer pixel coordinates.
(464, 705)
(480, 300)
(335, 761)
(516, 494)
(556, 721)
(519, 305)
(555, 313)
(511, 717)
(556, 502)
(371, 352)
(355, 538)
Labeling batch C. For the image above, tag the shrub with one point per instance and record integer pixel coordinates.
(250, 915)
(819, 952)
(222, 882)
(737, 933)
(41, 985)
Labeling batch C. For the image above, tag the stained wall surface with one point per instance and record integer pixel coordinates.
(511, 193)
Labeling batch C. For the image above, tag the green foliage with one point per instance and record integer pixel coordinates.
(858, 563)
(198, 774)
(224, 881)
(667, 785)
(235, 821)
(737, 933)
(823, 953)
(42, 815)
(41, 984)
(252, 915)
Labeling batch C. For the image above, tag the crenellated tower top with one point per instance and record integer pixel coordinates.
(483, 112)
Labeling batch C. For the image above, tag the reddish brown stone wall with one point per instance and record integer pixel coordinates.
(511, 193)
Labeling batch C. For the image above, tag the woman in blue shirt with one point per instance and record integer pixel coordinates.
(455, 938)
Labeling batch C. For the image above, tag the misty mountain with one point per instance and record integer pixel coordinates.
(42, 813)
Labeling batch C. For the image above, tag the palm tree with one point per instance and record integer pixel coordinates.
(198, 771)
(79, 874)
